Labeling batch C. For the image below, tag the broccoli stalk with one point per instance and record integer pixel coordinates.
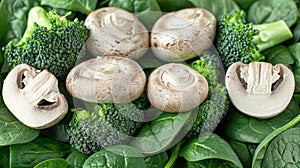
(37, 15)
(49, 42)
(271, 34)
(239, 41)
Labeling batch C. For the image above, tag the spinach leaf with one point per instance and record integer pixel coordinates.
(147, 11)
(295, 51)
(217, 7)
(262, 147)
(279, 54)
(242, 151)
(296, 32)
(209, 146)
(160, 134)
(76, 159)
(12, 131)
(57, 132)
(266, 11)
(83, 6)
(244, 4)
(119, 156)
(171, 5)
(13, 19)
(284, 150)
(29, 154)
(252, 130)
(4, 157)
(157, 160)
(211, 163)
(53, 163)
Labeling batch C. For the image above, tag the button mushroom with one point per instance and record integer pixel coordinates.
(33, 97)
(116, 32)
(175, 87)
(259, 89)
(182, 35)
(107, 80)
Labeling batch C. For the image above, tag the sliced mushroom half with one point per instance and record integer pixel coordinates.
(182, 35)
(259, 89)
(116, 32)
(33, 97)
(175, 87)
(107, 80)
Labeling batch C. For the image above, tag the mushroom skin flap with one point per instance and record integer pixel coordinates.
(175, 87)
(33, 97)
(260, 89)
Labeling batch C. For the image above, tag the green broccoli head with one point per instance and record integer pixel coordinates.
(239, 41)
(50, 42)
(211, 111)
(102, 125)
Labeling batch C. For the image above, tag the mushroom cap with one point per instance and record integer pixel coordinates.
(259, 89)
(33, 97)
(116, 32)
(175, 87)
(107, 80)
(184, 34)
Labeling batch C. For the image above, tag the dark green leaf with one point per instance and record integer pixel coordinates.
(83, 6)
(119, 156)
(12, 131)
(266, 11)
(217, 7)
(147, 11)
(171, 5)
(242, 151)
(76, 159)
(296, 32)
(13, 19)
(211, 163)
(252, 130)
(279, 54)
(209, 146)
(29, 154)
(295, 51)
(160, 133)
(156, 161)
(284, 150)
(4, 157)
(244, 4)
(53, 163)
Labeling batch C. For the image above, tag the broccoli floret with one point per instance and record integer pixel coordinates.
(50, 42)
(239, 41)
(102, 125)
(211, 111)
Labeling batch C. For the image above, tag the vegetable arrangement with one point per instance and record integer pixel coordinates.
(81, 87)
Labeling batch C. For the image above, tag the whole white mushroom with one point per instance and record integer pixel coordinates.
(116, 32)
(175, 87)
(182, 35)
